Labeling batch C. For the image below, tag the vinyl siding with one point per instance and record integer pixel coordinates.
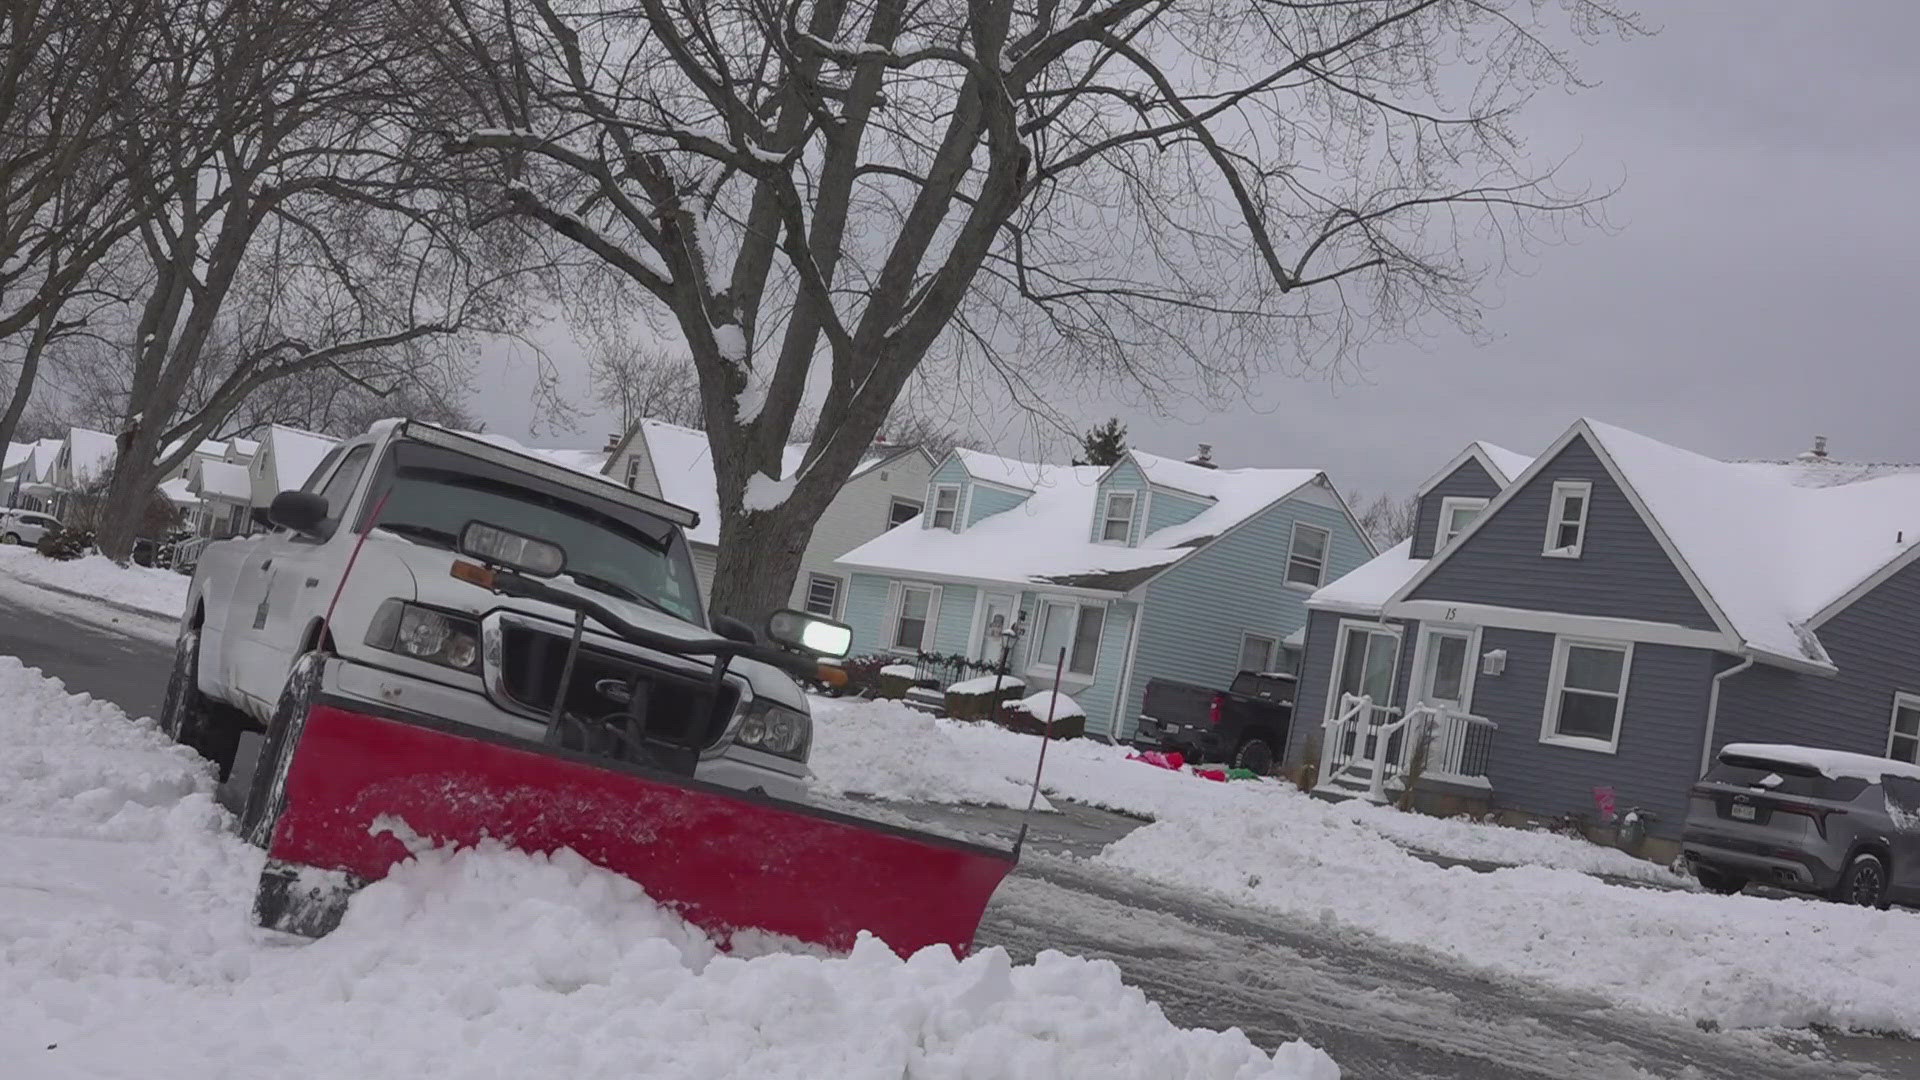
(1470, 481)
(705, 560)
(983, 502)
(1622, 571)
(871, 617)
(1876, 645)
(1660, 732)
(857, 514)
(1125, 477)
(952, 472)
(865, 610)
(1195, 614)
(1167, 509)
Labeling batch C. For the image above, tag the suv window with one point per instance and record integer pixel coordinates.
(1793, 779)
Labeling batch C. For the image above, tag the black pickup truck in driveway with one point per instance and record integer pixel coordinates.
(1245, 725)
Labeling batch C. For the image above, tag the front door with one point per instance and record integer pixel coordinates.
(995, 618)
(1444, 671)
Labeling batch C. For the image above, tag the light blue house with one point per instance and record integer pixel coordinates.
(1149, 568)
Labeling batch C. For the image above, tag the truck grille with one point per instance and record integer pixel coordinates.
(681, 708)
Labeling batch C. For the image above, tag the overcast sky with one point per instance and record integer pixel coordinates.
(1760, 287)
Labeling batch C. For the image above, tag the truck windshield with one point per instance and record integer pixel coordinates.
(611, 549)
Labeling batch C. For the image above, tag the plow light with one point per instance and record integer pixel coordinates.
(503, 547)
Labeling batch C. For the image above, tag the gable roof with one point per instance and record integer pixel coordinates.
(1766, 546)
(40, 463)
(1047, 539)
(1367, 587)
(296, 454)
(90, 454)
(1501, 463)
(224, 481)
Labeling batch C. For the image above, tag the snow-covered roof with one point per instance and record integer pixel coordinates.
(1507, 463)
(90, 454)
(1769, 544)
(1501, 463)
(296, 454)
(178, 492)
(16, 455)
(1834, 764)
(242, 448)
(224, 481)
(1367, 586)
(207, 448)
(45, 453)
(1047, 539)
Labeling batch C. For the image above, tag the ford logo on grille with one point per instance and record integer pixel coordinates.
(614, 690)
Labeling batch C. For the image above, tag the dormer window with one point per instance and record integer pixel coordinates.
(1567, 519)
(946, 507)
(1455, 515)
(1116, 524)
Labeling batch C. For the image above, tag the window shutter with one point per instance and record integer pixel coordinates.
(927, 636)
(890, 621)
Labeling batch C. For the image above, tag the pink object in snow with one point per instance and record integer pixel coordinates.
(1212, 774)
(1165, 760)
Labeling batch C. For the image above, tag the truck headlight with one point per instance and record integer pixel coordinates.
(423, 633)
(776, 729)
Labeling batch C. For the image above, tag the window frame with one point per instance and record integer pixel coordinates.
(1039, 665)
(634, 462)
(895, 502)
(1371, 628)
(1556, 519)
(1908, 702)
(839, 595)
(927, 625)
(932, 514)
(1557, 688)
(1293, 548)
(1448, 505)
(1107, 517)
(1273, 650)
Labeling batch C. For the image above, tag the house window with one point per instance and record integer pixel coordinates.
(946, 507)
(1070, 626)
(1567, 519)
(1455, 515)
(633, 472)
(900, 511)
(1903, 743)
(1256, 652)
(914, 617)
(1366, 660)
(1116, 525)
(1307, 555)
(823, 596)
(1587, 694)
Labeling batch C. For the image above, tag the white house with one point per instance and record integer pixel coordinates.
(286, 458)
(674, 463)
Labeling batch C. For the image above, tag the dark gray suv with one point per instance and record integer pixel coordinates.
(1845, 826)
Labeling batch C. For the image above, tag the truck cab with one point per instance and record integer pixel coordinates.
(359, 566)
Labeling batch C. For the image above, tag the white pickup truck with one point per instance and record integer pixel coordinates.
(385, 512)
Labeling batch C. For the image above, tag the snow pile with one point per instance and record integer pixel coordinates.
(1050, 703)
(987, 684)
(889, 751)
(129, 952)
(161, 592)
(1833, 764)
(1741, 961)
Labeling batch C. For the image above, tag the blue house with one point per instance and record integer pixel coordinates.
(1604, 618)
(1148, 568)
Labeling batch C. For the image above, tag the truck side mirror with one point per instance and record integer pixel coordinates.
(299, 511)
(810, 633)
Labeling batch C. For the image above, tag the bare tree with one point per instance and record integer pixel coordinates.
(822, 194)
(65, 73)
(1388, 519)
(634, 381)
(305, 225)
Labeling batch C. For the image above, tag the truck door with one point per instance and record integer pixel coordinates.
(306, 570)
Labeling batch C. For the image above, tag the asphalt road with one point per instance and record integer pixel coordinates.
(1383, 1011)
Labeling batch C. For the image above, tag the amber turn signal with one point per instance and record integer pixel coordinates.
(833, 676)
(473, 573)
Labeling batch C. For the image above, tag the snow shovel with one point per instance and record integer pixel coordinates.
(351, 784)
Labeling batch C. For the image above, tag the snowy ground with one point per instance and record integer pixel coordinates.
(1741, 961)
(160, 592)
(125, 949)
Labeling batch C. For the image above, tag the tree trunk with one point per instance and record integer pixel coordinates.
(759, 557)
(130, 489)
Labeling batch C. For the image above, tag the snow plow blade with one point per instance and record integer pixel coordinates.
(726, 860)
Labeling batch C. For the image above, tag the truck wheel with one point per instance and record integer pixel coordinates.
(1255, 756)
(267, 795)
(1864, 882)
(188, 717)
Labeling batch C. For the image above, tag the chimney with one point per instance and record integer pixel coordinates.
(1204, 458)
(1819, 451)
(613, 443)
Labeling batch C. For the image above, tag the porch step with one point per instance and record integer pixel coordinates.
(1348, 783)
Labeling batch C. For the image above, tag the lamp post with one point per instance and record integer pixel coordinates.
(1008, 635)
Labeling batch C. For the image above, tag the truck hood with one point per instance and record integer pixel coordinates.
(435, 585)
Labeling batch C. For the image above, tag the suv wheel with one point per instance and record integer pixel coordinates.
(1255, 756)
(10, 538)
(1864, 883)
(1718, 881)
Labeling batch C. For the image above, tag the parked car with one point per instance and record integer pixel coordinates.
(1244, 725)
(25, 526)
(1845, 826)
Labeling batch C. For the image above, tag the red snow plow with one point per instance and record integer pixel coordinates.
(346, 784)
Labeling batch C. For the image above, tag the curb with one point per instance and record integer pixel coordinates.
(116, 605)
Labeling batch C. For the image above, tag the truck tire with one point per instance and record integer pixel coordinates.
(188, 717)
(1255, 755)
(267, 795)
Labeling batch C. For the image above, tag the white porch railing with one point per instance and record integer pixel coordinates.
(1459, 745)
